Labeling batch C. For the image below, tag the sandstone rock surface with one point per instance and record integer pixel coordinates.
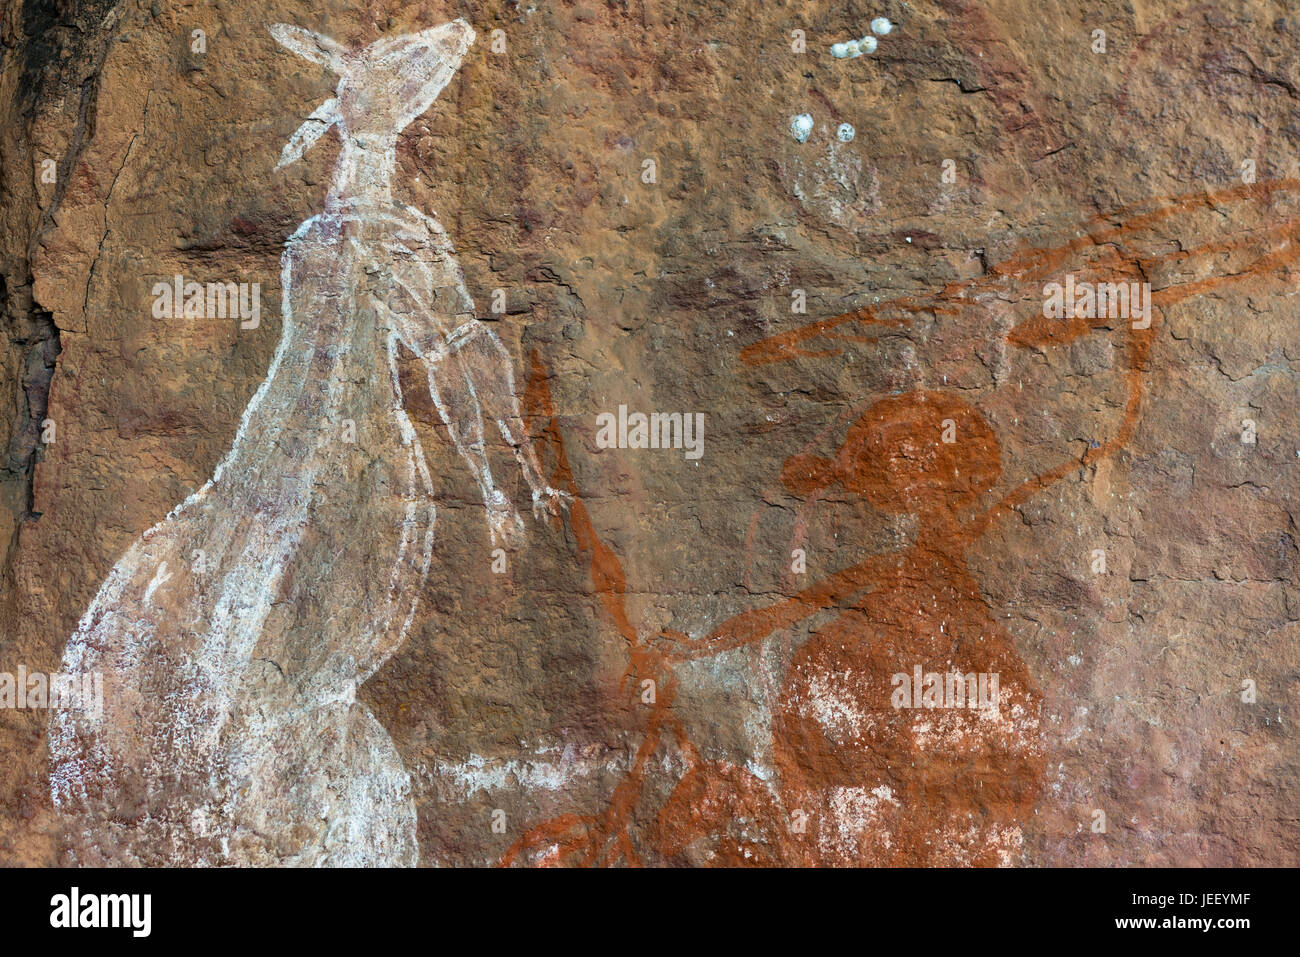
(1111, 530)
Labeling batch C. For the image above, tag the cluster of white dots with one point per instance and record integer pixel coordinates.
(851, 48)
(801, 126)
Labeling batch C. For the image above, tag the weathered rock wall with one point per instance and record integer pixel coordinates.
(625, 176)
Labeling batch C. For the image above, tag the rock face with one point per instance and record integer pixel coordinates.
(833, 435)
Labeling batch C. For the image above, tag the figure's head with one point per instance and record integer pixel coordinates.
(382, 87)
(924, 452)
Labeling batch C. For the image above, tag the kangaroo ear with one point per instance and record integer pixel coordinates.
(315, 47)
(321, 119)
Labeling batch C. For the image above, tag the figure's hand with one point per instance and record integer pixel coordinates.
(550, 501)
(504, 523)
(670, 644)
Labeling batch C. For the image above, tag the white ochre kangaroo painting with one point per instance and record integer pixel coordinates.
(233, 734)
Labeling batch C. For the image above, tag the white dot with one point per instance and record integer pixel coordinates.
(880, 26)
(845, 132)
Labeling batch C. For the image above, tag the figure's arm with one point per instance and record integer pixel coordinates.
(469, 374)
(759, 623)
(1040, 332)
(455, 393)
(487, 371)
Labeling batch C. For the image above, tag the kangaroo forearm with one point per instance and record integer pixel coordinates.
(487, 366)
(451, 388)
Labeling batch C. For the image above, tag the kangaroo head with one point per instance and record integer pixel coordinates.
(382, 87)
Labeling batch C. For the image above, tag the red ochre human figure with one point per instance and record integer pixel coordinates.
(858, 781)
(861, 781)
